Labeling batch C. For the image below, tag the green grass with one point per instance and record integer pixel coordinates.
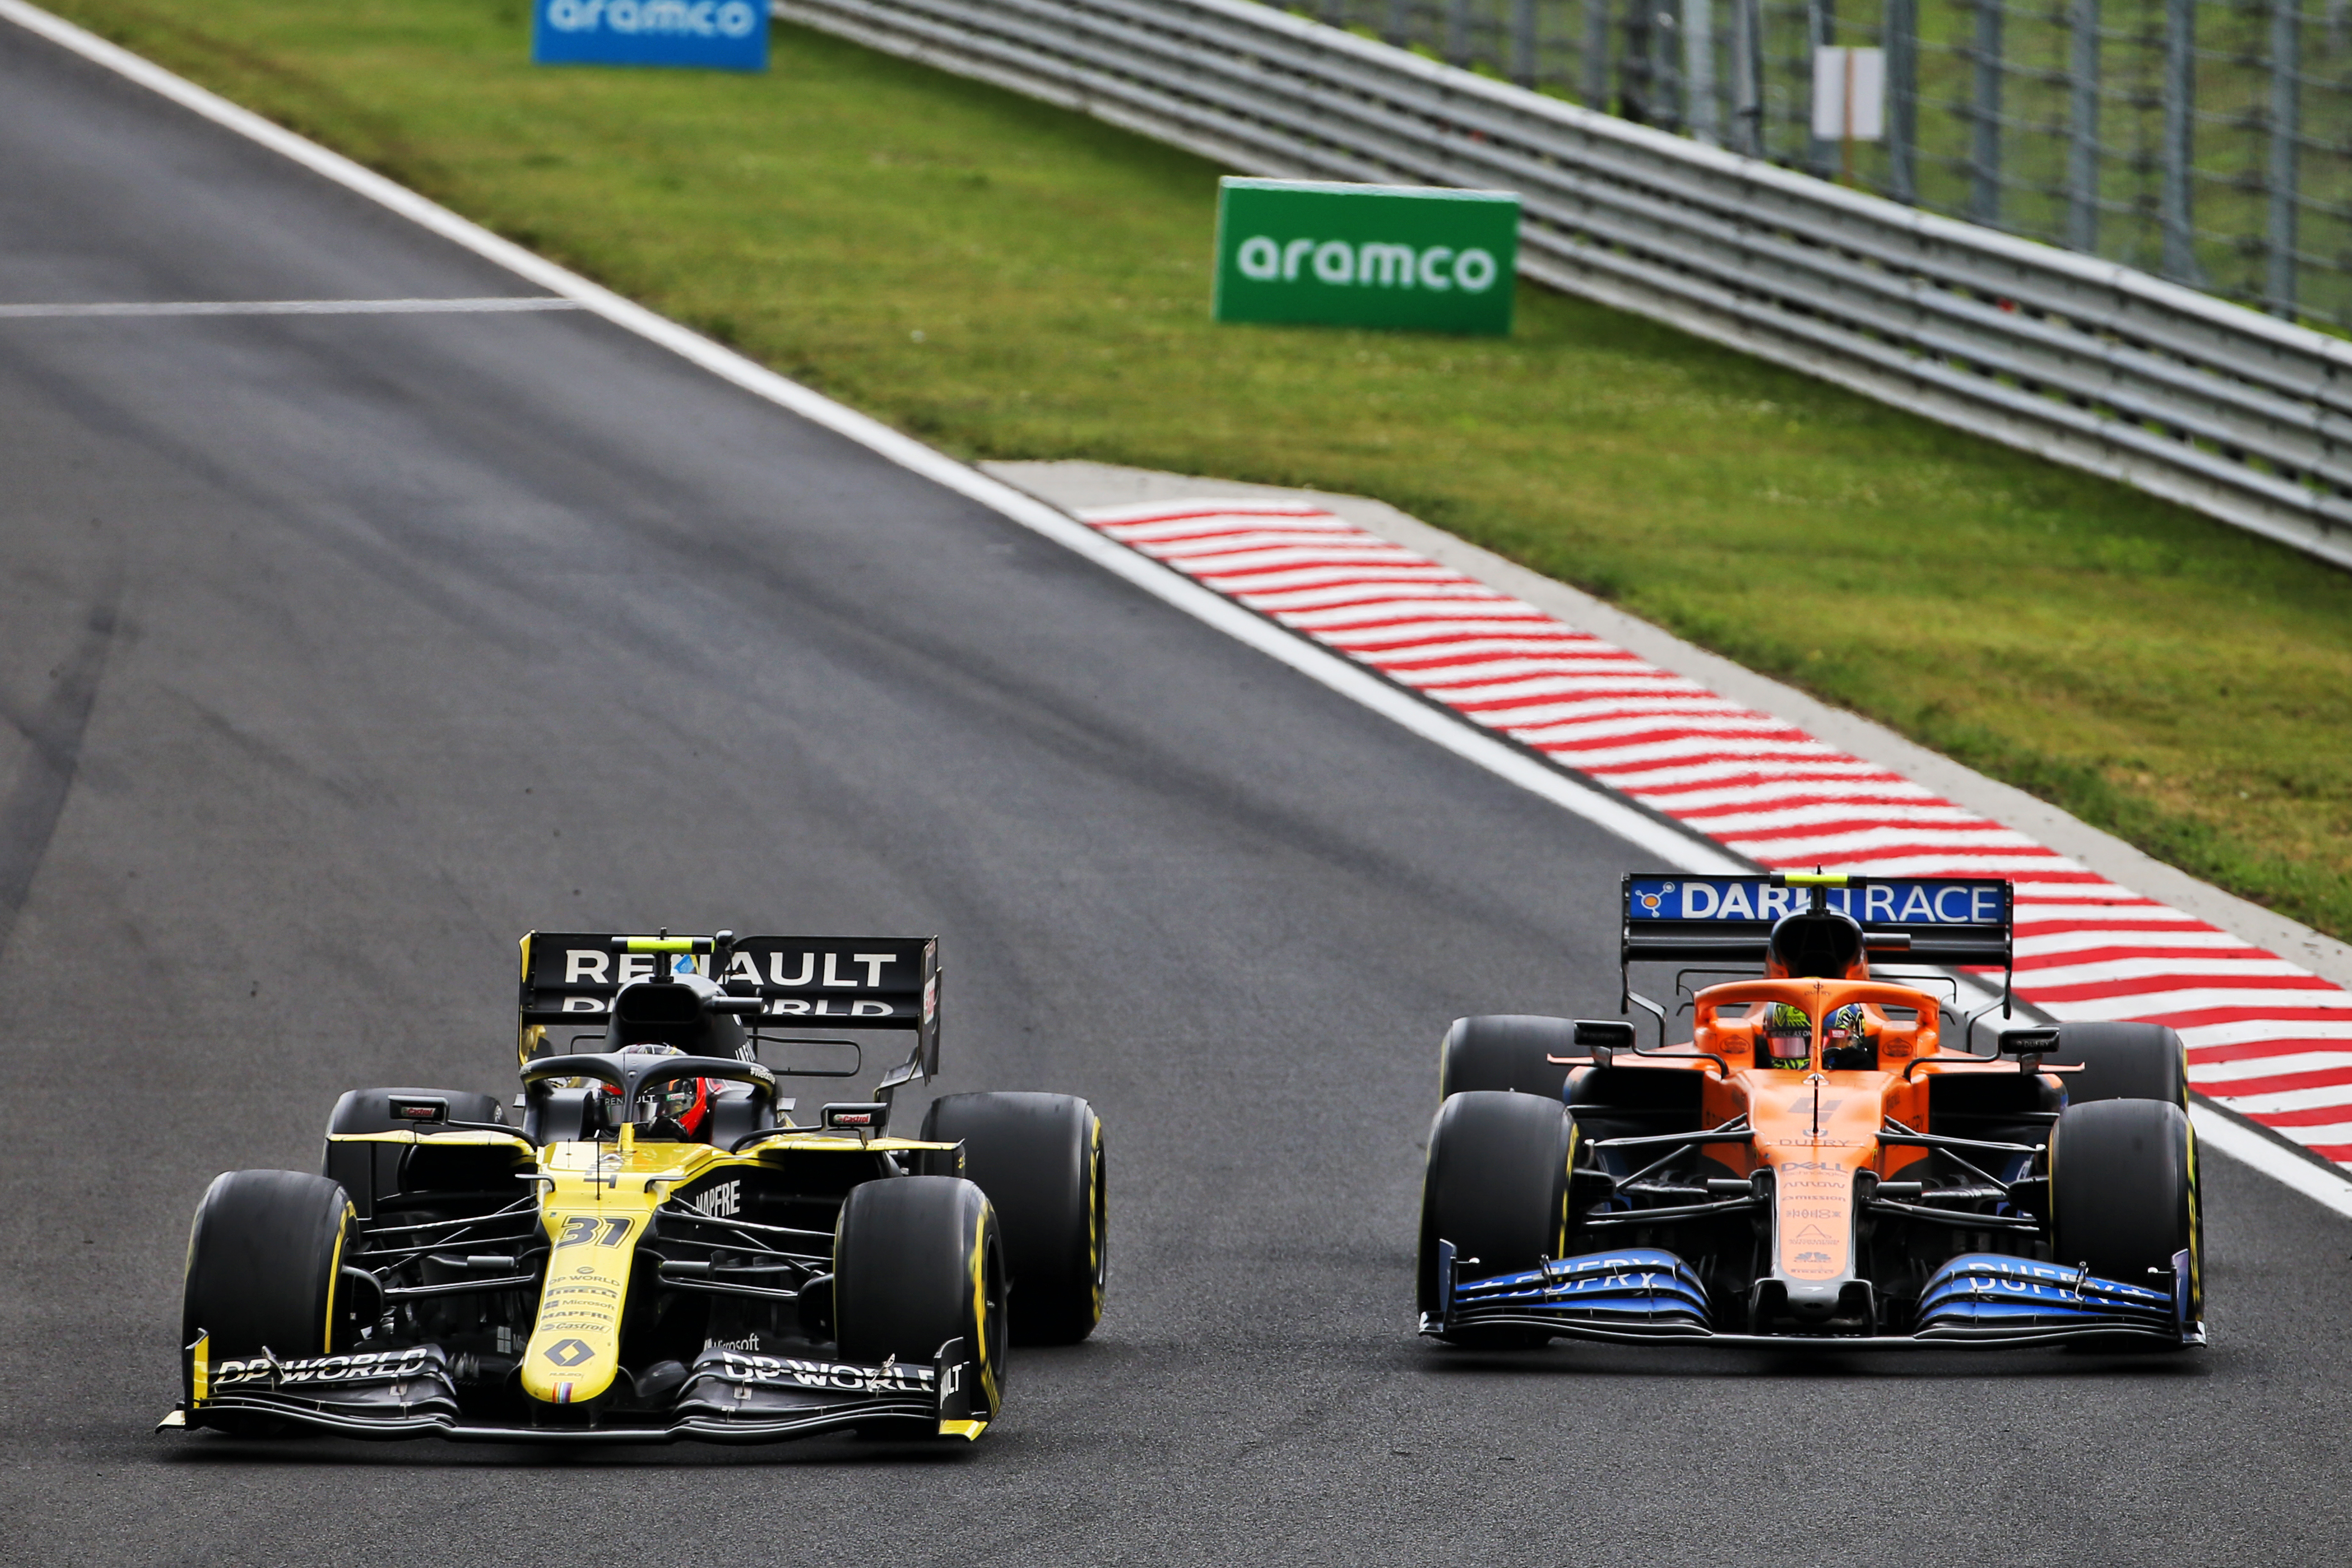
(1007, 280)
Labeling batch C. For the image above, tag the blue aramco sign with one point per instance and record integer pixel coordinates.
(716, 35)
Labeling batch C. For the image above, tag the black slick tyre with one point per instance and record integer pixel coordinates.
(917, 1262)
(1504, 1051)
(1496, 1186)
(2123, 1193)
(264, 1260)
(1039, 1158)
(2122, 1061)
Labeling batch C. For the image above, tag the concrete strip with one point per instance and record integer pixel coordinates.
(498, 305)
(1072, 484)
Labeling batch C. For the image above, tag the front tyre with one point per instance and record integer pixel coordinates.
(2123, 1193)
(917, 1262)
(1496, 1186)
(265, 1256)
(1039, 1158)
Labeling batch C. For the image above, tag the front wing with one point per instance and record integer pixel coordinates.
(728, 1397)
(1648, 1295)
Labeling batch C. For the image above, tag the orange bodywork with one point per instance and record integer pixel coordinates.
(1815, 1128)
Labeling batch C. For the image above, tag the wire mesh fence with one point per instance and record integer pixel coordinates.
(2207, 140)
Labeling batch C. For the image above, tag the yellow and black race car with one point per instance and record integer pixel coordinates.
(659, 1249)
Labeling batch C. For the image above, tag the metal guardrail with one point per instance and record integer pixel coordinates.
(2086, 362)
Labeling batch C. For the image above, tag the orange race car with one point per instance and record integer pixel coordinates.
(1825, 1161)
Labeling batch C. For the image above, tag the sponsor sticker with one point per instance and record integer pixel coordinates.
(874, 982)
(360, 1366)
(892, 1377)
(719, 1201)
(1755, 900)
(1432, 258)
(715, 35)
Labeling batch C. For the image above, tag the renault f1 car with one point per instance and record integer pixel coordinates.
(1823, 1162)
(658, 1249)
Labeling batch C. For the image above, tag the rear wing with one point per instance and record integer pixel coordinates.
(807, 982)
(1701, 920)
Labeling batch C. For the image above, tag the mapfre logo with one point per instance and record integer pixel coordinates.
(724, 1199)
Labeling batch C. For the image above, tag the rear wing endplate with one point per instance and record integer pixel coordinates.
(813, 982)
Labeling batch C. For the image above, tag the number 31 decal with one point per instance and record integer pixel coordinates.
(582, 1227)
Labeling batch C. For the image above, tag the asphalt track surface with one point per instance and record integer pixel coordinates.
(337, 651)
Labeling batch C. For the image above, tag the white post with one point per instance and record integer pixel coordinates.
(1849, 99)
(1698, 71)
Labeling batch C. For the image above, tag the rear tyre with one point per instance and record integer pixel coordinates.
(2122, 1192)
(2122, 1061)
(917, 1262)
(1039, 1158)
(264, 1256)
(1497, 1187)
(1504, 1051)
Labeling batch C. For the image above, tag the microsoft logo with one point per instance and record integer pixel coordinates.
(1368, 256)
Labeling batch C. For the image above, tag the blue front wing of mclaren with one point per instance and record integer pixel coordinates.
(1647, 1294)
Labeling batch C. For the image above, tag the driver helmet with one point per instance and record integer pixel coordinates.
(1849, 1040)
(680, 1108)
(1788, 1035)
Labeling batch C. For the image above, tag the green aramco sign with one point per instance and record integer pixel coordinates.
(1414, 256)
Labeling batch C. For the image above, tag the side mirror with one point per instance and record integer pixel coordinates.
(1604, 1037)
(2027, 1042)
(865, 1120)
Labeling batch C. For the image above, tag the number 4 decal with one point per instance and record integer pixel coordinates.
(582, 1227)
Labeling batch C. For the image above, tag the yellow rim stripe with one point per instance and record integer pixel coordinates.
(978, 1266)
(335, 1277)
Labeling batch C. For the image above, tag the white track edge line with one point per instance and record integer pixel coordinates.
(2242, 1143)
(1681, 853)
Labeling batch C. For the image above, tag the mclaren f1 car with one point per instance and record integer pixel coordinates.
(1825, 1160)
(658, 1246)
